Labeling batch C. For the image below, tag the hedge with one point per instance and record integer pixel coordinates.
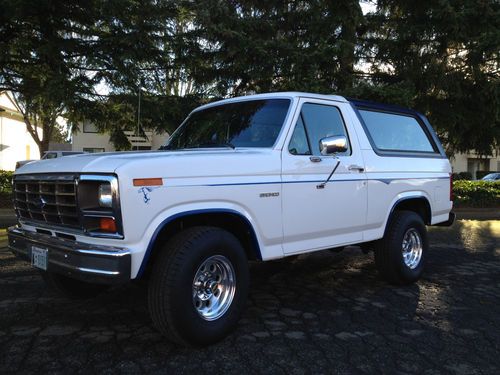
(6, 199)
(476, 193)
(6, 181)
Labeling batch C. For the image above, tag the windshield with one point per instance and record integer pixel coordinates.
(251, 123)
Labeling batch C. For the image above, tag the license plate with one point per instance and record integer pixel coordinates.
(39, 257)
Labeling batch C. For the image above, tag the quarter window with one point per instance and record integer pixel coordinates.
(316, 121)
(299, 144)
(395, 132)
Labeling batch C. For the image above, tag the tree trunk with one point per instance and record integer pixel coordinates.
(348, 42)
(43, 146)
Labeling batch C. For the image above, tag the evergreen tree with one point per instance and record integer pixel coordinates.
(254, 46)
(443, 59)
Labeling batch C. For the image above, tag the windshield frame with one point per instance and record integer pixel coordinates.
(291, 105)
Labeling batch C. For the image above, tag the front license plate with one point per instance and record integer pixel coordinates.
(39, 257)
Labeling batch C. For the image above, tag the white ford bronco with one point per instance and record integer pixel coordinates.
(253, 178)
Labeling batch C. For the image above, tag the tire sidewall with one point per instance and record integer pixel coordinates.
(184, 315)
(409, 221)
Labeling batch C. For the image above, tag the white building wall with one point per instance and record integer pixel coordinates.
(472, 163)
(84, 140)
(159, 140)
(16, 142)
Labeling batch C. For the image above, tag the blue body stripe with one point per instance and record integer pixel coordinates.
(384, 180)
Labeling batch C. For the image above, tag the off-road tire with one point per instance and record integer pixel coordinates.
(388, 251)
(170, 292)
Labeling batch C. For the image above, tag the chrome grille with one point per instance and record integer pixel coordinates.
(51, 200)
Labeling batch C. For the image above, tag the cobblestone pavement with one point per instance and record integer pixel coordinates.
(318, 313)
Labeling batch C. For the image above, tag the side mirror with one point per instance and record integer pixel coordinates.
(333, 145)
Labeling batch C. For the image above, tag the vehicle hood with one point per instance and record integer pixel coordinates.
(164, 163)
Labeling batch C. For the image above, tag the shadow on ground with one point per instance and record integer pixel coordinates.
(318, 313)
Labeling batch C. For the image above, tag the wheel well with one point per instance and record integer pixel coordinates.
(419, 205)
(232, 222)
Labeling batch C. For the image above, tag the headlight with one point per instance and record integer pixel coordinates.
(99, 204)
(105, 195)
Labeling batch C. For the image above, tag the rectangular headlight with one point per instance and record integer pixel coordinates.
(105, 195)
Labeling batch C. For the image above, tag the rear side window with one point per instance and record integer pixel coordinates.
(396, 132)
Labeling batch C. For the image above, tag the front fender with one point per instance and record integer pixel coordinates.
(165, 217)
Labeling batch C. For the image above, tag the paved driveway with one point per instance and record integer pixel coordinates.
(319, 313)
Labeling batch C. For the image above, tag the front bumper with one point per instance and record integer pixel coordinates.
(86, 262)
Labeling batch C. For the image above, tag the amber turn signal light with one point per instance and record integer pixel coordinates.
(148, 181)
(107, 224)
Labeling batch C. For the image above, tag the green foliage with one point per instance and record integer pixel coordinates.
(53, 54)
(445, 54)
(462, 176)
(6, 181)
(439, 57)
(257, 46)
(6, 200)
(476, 194)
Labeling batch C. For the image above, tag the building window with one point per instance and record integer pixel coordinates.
(89, 127)
(141, 148)
(93, 150)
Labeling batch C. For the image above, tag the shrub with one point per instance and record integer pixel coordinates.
(462, 176)
(6, 199)
(6, 181)
(476, 193)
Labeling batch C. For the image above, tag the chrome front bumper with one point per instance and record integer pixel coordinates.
(86, 262)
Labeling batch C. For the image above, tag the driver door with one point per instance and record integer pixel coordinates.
(317, 218)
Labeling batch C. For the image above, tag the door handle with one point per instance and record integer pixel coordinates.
(354, 167)
(315, 159)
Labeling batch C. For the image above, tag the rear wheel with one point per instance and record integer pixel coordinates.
(198, 286)
(400, 256)
(71, 288)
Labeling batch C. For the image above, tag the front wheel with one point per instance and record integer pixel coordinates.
(199, 285)
(400, 256)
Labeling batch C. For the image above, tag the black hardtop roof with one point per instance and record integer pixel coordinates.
(360, 103)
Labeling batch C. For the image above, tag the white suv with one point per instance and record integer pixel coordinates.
(252, 178)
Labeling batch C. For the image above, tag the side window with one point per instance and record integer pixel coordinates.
(316, 121)
(299, 144)
(395, 132)
(50, 155)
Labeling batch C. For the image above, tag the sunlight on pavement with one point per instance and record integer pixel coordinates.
(472, 234)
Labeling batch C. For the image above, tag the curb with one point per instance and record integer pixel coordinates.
(466, 213)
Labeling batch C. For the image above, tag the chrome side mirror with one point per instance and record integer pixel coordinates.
(333, 145)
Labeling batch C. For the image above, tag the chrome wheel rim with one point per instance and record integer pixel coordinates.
(214, 286)
(412, 248)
